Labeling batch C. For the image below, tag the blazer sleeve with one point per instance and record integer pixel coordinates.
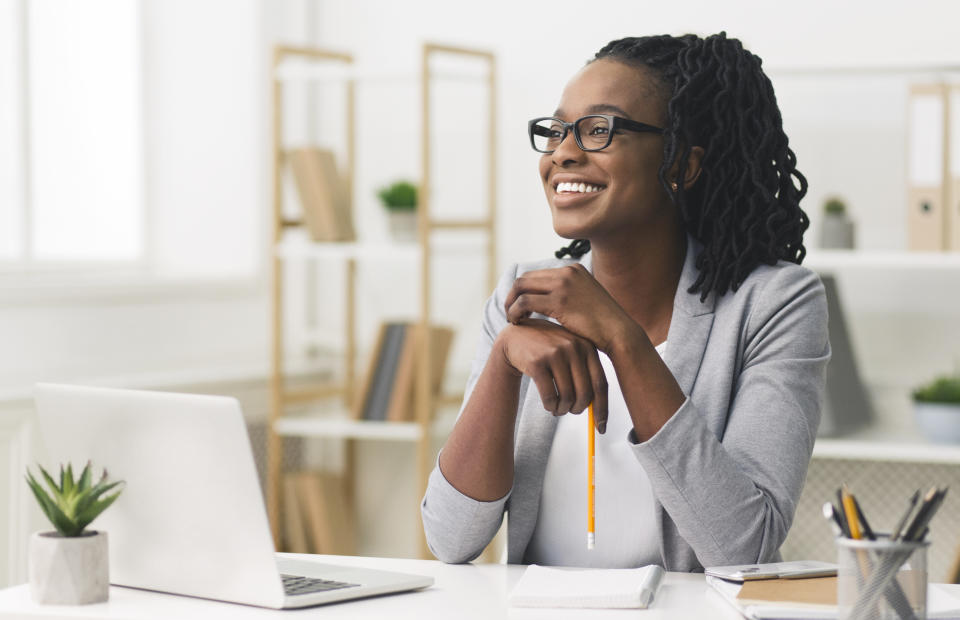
(732, 497)
(457, 527)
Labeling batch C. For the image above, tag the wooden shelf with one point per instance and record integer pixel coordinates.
(833, 260)
(344, 428)
(890, 449)
(380, 250)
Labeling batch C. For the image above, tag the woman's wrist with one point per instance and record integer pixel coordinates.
(626, 341)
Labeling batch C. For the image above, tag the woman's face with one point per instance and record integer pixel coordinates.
(629, 200)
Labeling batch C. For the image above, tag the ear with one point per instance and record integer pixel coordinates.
(693, 168)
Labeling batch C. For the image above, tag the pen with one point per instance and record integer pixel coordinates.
(895, 534)
(867, 530)
(591, 486)
(931, 503)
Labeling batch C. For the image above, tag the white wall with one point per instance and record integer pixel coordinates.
(207, 136)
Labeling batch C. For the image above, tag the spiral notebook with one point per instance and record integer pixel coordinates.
(600, 588)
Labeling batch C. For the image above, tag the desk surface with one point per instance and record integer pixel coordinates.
(460, 591)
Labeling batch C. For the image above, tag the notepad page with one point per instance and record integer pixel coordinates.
(542, 586)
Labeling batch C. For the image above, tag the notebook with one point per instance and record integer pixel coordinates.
(191, 518)
(542, 586)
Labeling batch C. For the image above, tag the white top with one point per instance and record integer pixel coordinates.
(625, 518)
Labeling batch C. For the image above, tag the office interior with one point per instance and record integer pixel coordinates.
(137, 225)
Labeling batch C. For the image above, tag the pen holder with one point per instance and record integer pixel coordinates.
(881, 579)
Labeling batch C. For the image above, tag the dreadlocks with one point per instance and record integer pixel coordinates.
(744, 207)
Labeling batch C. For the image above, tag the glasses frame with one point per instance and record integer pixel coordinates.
(615, 122)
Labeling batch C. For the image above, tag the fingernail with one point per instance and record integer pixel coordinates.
(603, 428)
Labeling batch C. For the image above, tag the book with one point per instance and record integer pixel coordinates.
(381, 374)
(601, 588)
(294, 530)
(773, 570)
(324, 196)
(401, 404)
(326, 514)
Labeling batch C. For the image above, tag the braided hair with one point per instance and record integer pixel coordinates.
(745, 207)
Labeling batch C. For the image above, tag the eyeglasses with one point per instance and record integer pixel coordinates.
(593, 132)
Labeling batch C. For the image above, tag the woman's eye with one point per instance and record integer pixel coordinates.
(599, 131)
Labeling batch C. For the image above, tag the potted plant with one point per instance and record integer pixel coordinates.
(70, 566)
(400, 200)
(937, 408)
(836, 231)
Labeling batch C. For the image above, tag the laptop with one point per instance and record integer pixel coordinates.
(191, 518)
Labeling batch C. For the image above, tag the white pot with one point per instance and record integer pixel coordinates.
(939, 422)
(836, 232)
(69, 571)
(403, 224)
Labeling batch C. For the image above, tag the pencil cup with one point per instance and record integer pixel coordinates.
(881, 579)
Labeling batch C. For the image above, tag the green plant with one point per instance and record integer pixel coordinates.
(73, 504)
(940, 390)
(834, 206)
(399, 196)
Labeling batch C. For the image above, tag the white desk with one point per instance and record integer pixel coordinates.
(462, 591)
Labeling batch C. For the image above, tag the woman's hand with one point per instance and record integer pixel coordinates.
(565, 367)
(573, 297)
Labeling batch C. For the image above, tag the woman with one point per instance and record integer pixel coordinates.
(682, 314)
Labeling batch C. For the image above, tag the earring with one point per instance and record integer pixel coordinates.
(673, 185)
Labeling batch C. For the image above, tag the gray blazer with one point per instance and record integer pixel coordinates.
(727, 469)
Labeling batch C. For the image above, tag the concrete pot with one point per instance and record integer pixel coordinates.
(939, 422)
(403, 224)
(69, 571)
(836, 232)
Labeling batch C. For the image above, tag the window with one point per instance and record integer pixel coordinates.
(72, 174)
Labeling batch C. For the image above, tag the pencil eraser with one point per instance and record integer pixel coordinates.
(591, 540)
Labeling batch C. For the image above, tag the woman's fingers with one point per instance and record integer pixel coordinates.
(598, 381)
(563, 378)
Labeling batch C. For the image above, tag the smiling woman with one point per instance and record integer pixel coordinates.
(682, 316)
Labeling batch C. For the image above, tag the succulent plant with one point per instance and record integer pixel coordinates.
(834, 206)
(940, 390)
(401, 195)
(73, 504)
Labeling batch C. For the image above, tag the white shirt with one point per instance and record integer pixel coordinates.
(626, 531)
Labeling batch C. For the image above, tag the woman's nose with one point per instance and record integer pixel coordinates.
(567, 152)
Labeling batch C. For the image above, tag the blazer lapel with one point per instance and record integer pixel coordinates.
(690, 325)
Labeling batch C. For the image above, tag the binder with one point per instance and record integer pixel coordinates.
(323, 194)
(927, 154)
(952, 210)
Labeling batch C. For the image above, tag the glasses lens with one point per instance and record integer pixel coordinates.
(594, 132)
(547, 134)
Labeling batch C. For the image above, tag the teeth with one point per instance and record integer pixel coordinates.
(581, 188)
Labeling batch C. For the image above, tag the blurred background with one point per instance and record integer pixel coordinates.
(137, 203)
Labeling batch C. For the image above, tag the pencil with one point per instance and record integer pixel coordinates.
(591, 486)
(851, 512)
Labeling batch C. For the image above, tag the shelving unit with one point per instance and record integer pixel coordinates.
(325, 66)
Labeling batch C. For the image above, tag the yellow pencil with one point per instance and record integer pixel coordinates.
(591, 487)
(850, 511)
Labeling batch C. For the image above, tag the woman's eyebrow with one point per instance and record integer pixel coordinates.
(597, 108)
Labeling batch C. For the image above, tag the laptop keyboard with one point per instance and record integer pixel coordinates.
(297, 584)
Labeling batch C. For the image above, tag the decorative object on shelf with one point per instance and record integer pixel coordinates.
(388, 387)
(400, 200)
(70, 566)
(324, 195)
(836, 230)
(937, 408)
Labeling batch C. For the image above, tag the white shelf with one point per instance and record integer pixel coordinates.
(887, 450)
(381, 250)
(342, 428)
(304, 71)
(832, 260)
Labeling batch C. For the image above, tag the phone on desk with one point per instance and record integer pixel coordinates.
(798, 569)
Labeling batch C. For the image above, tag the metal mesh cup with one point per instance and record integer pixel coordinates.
(881, 579)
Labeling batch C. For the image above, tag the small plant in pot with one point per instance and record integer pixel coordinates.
(400, 200)
(70, 566)
(836, 230)
(937, 407)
